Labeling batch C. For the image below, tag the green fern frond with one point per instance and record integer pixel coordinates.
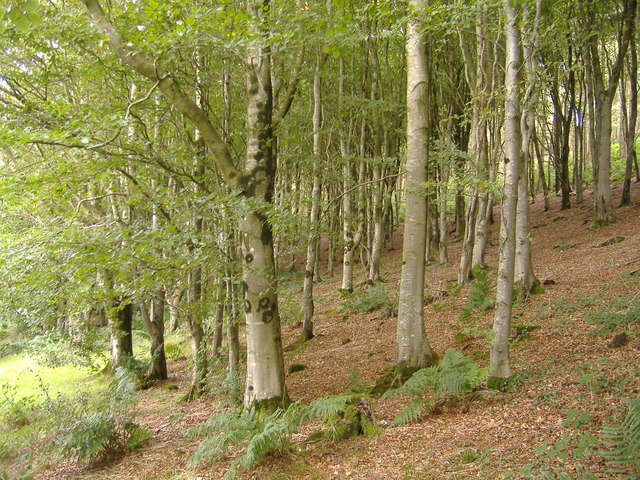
(325, 407)
(623, 443)
(421, 381)
(456, 374)
(411, 412)
(562, 474)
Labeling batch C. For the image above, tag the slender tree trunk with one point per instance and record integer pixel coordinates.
(464, 272)
(218, 318)
(630, 139)
(601, 97)
(500, 368)
(413, 347)
(314, 216)
(120, 322)
(198, 338)
(233, 340)
(173, 302)
(524, 276)
(155, 328)
(442, 241)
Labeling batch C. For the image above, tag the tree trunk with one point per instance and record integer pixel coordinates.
(500, 368)
(265, 363)
(155, 328)
(198, 338)
(602, 97)
(120, 322)
(173, 301)
(413, 347)
(524, 276)
(218, 318)
(265, 382)
(314, 215)
(631, 119)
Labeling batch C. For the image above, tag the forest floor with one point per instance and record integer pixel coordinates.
(571, 380)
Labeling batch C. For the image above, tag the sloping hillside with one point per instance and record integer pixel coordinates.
(571, 379)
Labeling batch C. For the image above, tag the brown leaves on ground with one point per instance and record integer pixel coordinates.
(562, 365)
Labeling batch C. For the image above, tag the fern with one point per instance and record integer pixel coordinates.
(262, 436)
(107, 432)
(456, 374)
(480, 295)
(622, 443)
(562, 474)
(325, 407)
(237, 427)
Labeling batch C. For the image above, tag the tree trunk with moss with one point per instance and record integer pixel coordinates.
(265, 382)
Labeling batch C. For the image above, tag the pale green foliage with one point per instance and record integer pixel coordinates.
(456, 374)
(106, 431)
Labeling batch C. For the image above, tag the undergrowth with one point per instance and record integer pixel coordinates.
(615, 449)
(103, 431)
(259, 436)
(481, 299)
(368, 299)
(455, 375)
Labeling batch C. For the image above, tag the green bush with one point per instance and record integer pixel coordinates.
(15, 411)
(104, 432)
(53, 350)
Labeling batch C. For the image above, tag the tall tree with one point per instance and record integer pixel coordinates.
(499, 361)
(265, 366)
(413, 347)
(602, 90)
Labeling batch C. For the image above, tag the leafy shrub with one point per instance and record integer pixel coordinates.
(106, 432)
(456, 374)
(52, 350)
(371, 298)
(15, 412)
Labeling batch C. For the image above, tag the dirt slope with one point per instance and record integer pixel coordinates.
(562, 366)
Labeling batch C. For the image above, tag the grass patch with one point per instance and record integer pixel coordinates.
(29, 377)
